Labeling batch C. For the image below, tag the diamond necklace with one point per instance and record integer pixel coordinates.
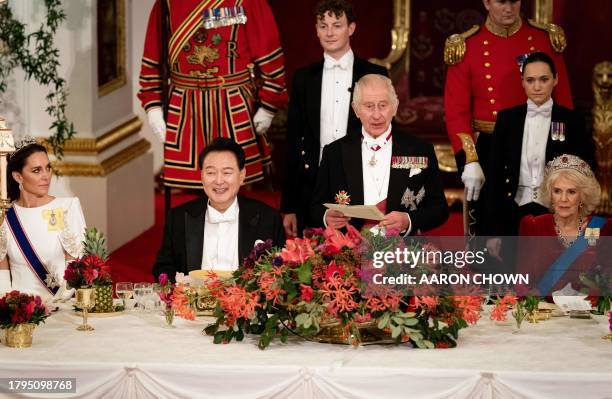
(563, 239)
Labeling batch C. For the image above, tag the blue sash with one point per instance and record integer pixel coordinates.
(563, 262)
(26, 249)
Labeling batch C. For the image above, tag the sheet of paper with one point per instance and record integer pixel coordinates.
(370, 212)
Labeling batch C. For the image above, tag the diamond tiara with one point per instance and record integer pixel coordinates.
(567, 161)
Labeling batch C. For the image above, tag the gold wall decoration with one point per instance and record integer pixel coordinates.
(602, 132)
(94, 147)
(543, 11)
(111, 45)
(105, 167)
(98, 145)
(400, 38)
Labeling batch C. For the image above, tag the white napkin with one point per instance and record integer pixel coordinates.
(567, 299)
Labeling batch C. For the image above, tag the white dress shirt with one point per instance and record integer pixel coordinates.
(220, 249)
(533, 153)
(335, 98)
(376, 177)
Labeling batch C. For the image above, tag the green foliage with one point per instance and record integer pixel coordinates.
(95, 244)
(36, 54)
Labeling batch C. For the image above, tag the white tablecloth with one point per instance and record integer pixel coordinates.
(135, 356)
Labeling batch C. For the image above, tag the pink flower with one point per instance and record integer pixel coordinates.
(333, 270)
(337, 241)
(163, 279)
(29, 309)
(297, 250)
(90, 274)
(306, 293)
(359, 318)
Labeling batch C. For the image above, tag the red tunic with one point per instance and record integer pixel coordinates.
(488, 79)
(211, 93)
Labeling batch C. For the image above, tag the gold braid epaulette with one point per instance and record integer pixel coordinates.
(454, 47)
(556, 34)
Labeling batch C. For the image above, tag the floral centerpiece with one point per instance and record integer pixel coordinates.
(19, 314)
(315, 286)
(179, 299)
(92, 270)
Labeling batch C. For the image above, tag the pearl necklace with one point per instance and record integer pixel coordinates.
(563, 239)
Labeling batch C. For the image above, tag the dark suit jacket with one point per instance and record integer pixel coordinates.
(503, 172)
(182, 243)
(304, 134)
(341, 169)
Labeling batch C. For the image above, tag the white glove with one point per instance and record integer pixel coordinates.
(157, 123)
(262, 120)
(5, 282)
(473, 179)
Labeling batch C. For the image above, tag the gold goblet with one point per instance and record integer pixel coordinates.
(85, 299)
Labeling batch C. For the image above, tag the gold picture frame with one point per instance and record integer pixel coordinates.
(111, 45)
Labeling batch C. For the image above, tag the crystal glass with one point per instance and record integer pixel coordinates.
(141, 291)
(124, 291)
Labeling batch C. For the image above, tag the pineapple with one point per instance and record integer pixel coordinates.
(95, 244)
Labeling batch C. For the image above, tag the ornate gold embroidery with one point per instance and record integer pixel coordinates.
(3, 242)
(556, 34)
(203, 53)
(70, 243)
(502, 31)
(468, 147)
(454, 47)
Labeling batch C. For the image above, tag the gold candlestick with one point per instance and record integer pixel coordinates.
(7, 147)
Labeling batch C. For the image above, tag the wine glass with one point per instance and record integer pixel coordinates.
(124, 290)
(141, 290)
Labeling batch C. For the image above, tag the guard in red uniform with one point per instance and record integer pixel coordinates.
(484, 77)
(213, 48)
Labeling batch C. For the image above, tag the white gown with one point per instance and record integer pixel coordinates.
(54, 230)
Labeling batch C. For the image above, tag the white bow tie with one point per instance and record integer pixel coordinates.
(215, 217)
(334, 64)
(544, 110)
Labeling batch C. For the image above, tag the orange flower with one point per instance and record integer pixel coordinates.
(297, 250)
(469, 306)
(237, 303)
(339, 294)
(498, 313)
(270, 287)
(182, 302)
(428, 302)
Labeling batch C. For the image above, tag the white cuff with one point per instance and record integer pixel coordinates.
(409, 226)
(325, 214)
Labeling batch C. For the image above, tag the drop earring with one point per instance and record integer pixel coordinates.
(20, 186)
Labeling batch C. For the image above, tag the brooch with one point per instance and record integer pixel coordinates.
(410, 200)
(591, 234)
(342, 198)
